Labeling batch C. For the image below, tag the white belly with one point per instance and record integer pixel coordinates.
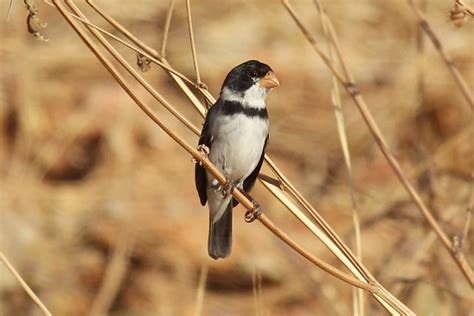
(238, 144)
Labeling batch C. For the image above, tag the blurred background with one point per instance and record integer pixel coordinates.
(92, 190)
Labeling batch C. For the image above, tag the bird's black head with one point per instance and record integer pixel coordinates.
(245, 75)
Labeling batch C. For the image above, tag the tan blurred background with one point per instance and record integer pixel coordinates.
(85, 174)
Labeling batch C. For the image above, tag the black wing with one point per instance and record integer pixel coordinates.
(205, 139)
(250, 180)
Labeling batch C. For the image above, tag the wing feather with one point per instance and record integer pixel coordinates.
(206, 138)
(250, 180)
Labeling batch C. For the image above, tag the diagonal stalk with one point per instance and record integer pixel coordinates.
(204, 160)
(350, 86)
(381, 294)
(458, 78)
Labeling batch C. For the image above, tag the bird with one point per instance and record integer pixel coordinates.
(234, 137)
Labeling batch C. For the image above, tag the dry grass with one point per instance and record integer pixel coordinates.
(82, 187)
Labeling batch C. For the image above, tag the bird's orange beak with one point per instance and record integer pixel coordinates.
(269, 81)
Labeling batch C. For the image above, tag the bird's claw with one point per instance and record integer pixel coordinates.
(226, 189)
(204, 150)
(254, 213)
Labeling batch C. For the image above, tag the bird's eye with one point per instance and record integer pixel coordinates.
(253, 74)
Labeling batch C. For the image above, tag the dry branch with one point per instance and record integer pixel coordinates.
(331, 240)
(191, 39)
(166, 29)
(426, 27)
(334, 243)
(201, 290)
(113, 277)
(24, 285)
(195, 153)
(358, 298)
(351, 88)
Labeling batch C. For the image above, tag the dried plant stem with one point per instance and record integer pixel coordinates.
(191, 39)
(358, 299)
(331, 240)
(9, 10)
(166, 29)
(470, 210)
(287, 184)
(133, 72)
(464, 135)
(344, 254)
(351, 88)
(178, 78)
(317, 262)
(23, 284)
(421, 61)
(338, 248)
(336, 100)
(201, 290)
(423, 249)
(257, 291)
(201, 158)
(113, 277)
(148, 53)
(119, 27)
(425, 26)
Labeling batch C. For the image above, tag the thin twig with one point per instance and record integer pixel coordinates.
(420, 253)
(425, 26)
(470, 210)
(24, 285)
(113, 277)
(256, 293)
(259, 291)
(271, 180)
(317, 262)
(287, 184)
(201, 290)
(358, 298)
(382, 295)
(337, 247)
(191, 39)
(123, 30)
(205, 161)
(351, 88)
(9, 10)
(166, 29)
(133, 72)
(460, 13)
(178, 79)
(443, 150)
(149, 53)
(421, 61)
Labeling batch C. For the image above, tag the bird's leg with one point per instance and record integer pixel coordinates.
(204, 150)
(255, 212)
(226, 189)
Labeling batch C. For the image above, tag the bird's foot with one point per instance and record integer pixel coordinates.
(226, 189)
(254, 213)
(204, 150)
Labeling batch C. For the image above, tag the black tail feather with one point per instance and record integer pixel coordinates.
(220, 235)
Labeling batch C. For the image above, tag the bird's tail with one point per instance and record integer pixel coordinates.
(220, 232)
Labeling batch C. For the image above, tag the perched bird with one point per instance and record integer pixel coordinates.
(235, 133)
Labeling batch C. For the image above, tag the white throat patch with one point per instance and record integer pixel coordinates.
(253, 97)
